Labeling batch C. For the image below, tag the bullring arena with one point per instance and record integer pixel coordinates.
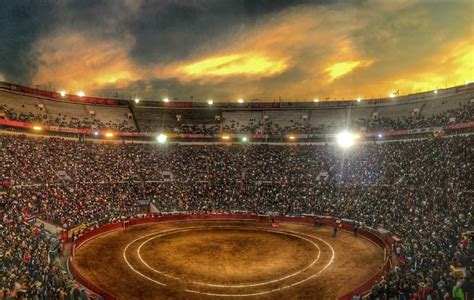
(227, 257)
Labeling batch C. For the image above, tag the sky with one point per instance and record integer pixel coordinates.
(237, 49)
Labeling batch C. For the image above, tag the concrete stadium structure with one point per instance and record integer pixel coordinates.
(259, 118)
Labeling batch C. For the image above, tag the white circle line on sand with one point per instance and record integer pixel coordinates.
(124, 255)
(280, 288)
(233, 295)
(234, 285)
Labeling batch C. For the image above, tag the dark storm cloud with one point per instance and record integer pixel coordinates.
(226, 49)
(175, 30)
(21, 24)
(163, 30)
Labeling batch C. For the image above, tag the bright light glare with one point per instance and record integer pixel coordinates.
(292, 137)
(62, 93)
(380, 135)
(109, 134)
(137, 100)
(240, 101)
(359, 99)
(166, 100)
(435, 91)
(392, 95)
(161, 138)
(37, 128)
(81, 94)
(244, 139)
(225, 137)
(316, 100)
(345, 139)
(210, 102)
(96, 133)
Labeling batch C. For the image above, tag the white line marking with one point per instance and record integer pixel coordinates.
(280, 288)
(230, 285)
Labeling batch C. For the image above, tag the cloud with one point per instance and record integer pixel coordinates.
(21, 23)
(235, 64)
(457, 56)
(230, 49)
(73, 61)
(340, 69)
(295, 41)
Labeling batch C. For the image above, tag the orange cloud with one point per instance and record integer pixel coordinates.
(73, 61)
(342, 68)
(453, 64)
(300, 53)
(235, 64)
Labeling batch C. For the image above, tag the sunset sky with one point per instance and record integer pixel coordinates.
(231, 49)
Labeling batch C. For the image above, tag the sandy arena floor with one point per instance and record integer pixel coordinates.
(228, 260)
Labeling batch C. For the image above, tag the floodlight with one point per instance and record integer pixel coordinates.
(210, 102)
(244, 139)
(345, 139)
(292, 137)
(137, 100)
(435, 91)
(225, 137)
(380, 135)
(81, 94)
(37, 128)
(166, 100)
(62, 93)
(240, 101)
(109, 134)
(392, 95)
(359, 99)
(162, 138)
(316, 100)
(96, 133)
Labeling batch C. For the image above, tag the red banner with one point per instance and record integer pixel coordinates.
(460, 125)
(15, 123)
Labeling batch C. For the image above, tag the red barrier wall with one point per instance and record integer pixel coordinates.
(85, 282)
(326, 221)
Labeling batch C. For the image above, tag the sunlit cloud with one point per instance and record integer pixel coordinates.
(74, 61)
(235, 64)
(298, 53)
(458, 57)
(342, 68)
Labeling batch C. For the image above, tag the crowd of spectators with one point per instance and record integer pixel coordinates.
(29, 259)
(419, 190)
(205, 129)
(272, 128)
(463, 113)
(63, 120)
